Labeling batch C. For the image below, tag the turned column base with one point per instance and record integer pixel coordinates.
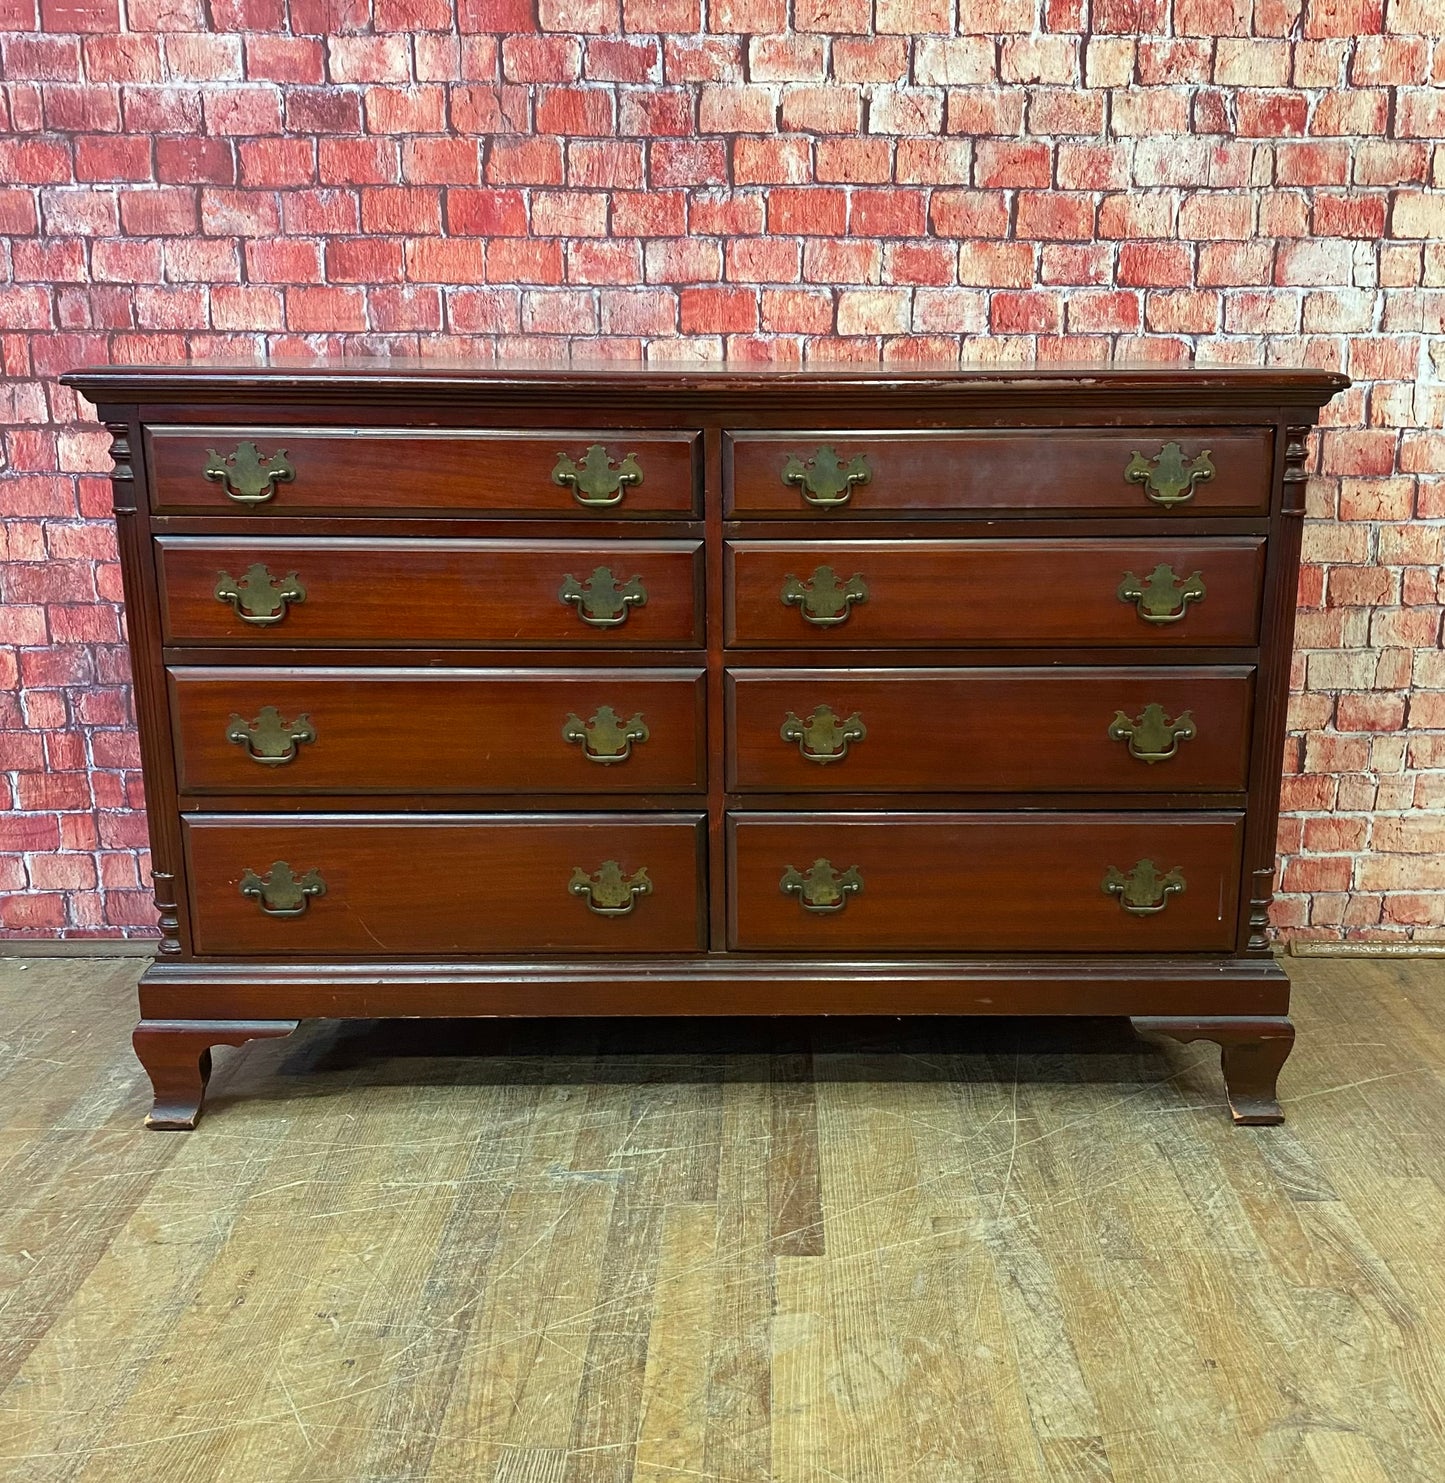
(1252, 1051)
(176, 1055)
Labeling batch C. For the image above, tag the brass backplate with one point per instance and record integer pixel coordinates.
(281, 892)
(824, 737)
(1145, 889)
(249, 477)
(608, 891)
(602, 601)
(825, 480)
(1169, 478)
(1162, 597)
(596, 481)
(268, 739)
(821, 888)
(1151, 735)
(823, 599)
(605, 736)
(257, 597)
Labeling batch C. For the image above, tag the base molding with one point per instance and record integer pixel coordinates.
(731, 985)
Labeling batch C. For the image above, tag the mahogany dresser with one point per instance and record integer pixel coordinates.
(629, 691)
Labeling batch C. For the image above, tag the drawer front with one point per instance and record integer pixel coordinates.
(486, 594)
(937, 594)
(299, 471)
(907, 882)
(1139, 730)
(243, 730)
(1141, 471)
(401, 887)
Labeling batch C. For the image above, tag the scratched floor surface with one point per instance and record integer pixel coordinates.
(846, 1253)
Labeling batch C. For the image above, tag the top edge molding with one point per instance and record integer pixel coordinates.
(388, 380)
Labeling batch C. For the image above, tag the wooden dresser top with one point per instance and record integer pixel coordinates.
(384, 380)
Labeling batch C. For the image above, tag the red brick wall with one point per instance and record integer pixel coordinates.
(1006, 178)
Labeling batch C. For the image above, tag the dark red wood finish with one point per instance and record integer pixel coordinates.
(430, 537)
(987, 730)
(984, 882)
(439, 732)
(478, 594)
(422, 470)
(407, 886)
(1001, 471)
(929, 594)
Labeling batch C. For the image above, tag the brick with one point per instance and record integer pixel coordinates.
(1053, 216)
(486, 213)
(1035, 313)
(817, 212)
(887, 213)
(878, 311)
(834, 17)
(822, 110)
(853, 161)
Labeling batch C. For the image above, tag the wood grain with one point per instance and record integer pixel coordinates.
(934, 594)
(405, 885)
(995, 730)
(482, 594)
(484, 472)
(1014, 471)
(783, 1253)
(416, 731)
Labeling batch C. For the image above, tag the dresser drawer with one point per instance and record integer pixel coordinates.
(936, 594)
(1036, 883)
(369, 470)
(481, 593)
(1138, 730)
(396, 886)
(295, 731)
(1113, 471)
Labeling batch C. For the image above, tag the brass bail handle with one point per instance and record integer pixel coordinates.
(1162, 596)
(1145, 890)
(281, 892)
(824, 737)
(607, 890)
(825, 480)
(1151, 735)
(248, 476)
(602, 601)
(268, 739)
(821, 888)
(605, 737)
(1169, 478)
(258, 598)
(596, 481)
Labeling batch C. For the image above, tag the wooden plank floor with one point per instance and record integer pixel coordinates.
(844, 1253)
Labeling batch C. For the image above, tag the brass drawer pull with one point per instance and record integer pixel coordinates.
(268, 739)
(823, 738)
(823, 600)
(247, 476)
(1162, 597)
(600, 601)
(258, 597)
(606, 737)
(597, 482)
(1151, 735)
(821, 888)
(1169, 479)
(825, 480)
(1143, 891)
(607, 891)
(281, 892)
